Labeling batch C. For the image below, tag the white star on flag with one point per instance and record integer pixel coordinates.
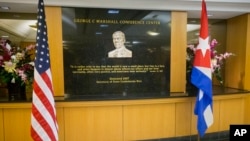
(203, 45)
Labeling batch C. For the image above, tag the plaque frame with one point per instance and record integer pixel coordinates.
(89, 72)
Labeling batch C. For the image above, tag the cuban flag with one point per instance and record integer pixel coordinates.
(201, 77)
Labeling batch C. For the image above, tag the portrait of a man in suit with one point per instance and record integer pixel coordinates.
(120, 50)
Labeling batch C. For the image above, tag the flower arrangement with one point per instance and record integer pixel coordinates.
(217, 60)
(16, 64)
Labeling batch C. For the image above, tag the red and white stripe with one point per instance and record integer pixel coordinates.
(43, 118)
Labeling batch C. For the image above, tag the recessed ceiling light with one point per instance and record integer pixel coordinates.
(98, 33)
(136, 42)
(5, 7)
(5, 36)
(113, 11)
(193, 21)
(104, 25)
(153, 33)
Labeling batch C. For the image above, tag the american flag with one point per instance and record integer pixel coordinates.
(201, 77)
(43, 117)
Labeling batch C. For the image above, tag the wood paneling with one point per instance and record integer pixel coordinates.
(235, 74)
(247, 68)
(247, 110)
(148, 121)
(178, 51)
(54, 24)
(93, 123)
(60, 121)
(17, 124)
(1, 125)
(25, 44)
(230, 111)
(124, 120)
(183, 114)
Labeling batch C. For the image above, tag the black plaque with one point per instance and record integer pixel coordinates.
(89, 71)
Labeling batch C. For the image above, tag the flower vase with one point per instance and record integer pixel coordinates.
(16, 91)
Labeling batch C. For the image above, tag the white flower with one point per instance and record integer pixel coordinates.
(8, 46)
(32, 63)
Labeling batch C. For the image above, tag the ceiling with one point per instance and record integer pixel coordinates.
(24, 13)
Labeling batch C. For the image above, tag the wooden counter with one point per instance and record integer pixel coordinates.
(125, 120)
